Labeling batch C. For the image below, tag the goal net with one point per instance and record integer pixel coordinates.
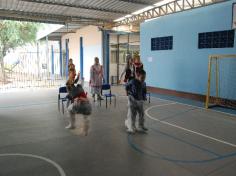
(221, 85)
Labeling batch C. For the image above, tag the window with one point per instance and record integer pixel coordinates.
(219, 39)
(162, 43)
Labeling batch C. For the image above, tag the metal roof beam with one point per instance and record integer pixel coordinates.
(166, 9)
(138, 2)
(77, 6)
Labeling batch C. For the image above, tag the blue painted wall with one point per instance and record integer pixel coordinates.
(185, 67)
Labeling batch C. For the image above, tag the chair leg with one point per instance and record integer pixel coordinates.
(58, 104)
(62, 105)
(100, 102)
(110, 99)
(106, 102)
(149, 98)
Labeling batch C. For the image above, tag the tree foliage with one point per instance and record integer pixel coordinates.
(14, 34)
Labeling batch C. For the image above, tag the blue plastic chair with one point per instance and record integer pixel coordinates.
(61, 99)
(107, 87)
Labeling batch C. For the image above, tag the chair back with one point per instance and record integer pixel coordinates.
(62, 90)
(106, 87)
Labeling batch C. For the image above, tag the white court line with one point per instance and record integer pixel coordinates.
(59, 169)
(226, 113)
(185, 129)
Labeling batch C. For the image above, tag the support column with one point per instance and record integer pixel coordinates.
(106, 54)
(47, 56)
(118, 59)
(52, 57)
(67, 58)
(60, 50)
(38, 61)
(81, 58)
(128, 43)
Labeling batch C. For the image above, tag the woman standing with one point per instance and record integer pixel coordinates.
(96, 78)
(128, 70)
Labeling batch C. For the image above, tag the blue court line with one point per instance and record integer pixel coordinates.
(186, 142)
(25, 105)
(179, 113)
(160, 156)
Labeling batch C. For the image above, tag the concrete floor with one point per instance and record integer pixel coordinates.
(182, 140)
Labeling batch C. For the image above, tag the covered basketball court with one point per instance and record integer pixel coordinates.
(183, 139)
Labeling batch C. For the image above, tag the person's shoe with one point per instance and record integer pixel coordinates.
(126, 124)
(134, 128)
(93, 96)
(70, 127)
(142, 129)
(130, 131)
(71, 123)
(100, 98)
(85, 127)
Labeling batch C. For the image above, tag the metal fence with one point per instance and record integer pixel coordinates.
(32, 69)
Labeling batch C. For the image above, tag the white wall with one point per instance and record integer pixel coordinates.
(92, 43)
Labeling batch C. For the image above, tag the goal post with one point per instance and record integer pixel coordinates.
(221, 84)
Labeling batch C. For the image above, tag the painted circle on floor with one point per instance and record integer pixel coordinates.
(157, 155)
(54, 164)
(145, 151)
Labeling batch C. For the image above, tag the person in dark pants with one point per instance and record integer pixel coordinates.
(136, 91)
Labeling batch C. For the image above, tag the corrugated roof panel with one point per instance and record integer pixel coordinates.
(40, 8)
(47, 8)
(124, 5)
(90, 13)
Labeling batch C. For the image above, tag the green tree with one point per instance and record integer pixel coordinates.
(14, 34)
